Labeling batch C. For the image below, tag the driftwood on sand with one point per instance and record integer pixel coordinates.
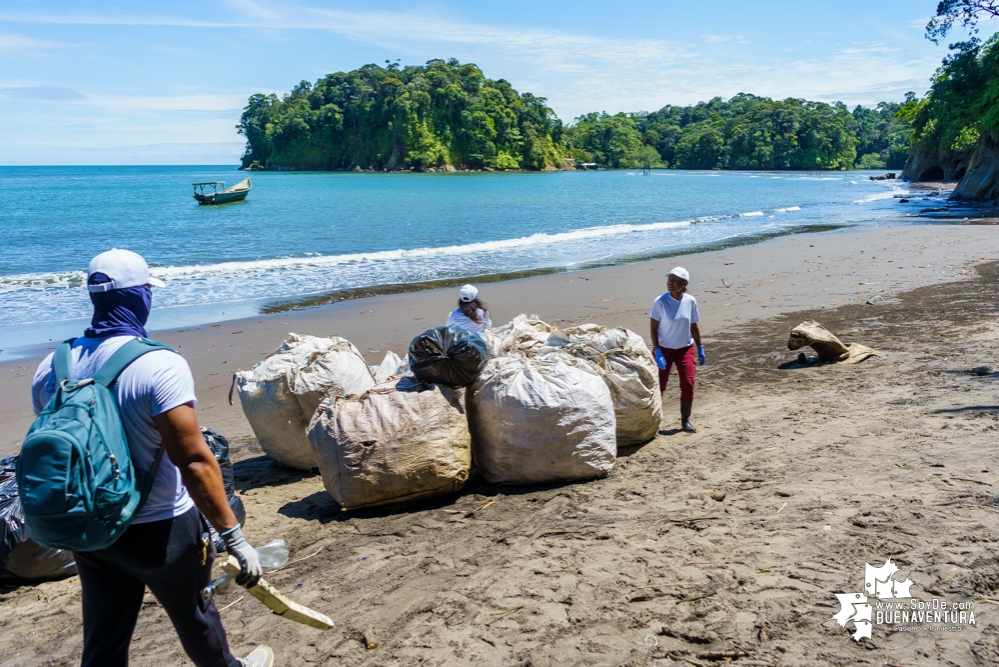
(829, 348)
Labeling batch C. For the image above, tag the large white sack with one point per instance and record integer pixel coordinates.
(541, 419)
(523, 335)
(281, 393)
(391, 365)
(626, 366)
(392, 444)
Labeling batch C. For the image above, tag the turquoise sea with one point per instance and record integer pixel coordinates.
(304, 234)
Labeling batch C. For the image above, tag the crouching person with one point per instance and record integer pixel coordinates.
(166, 547)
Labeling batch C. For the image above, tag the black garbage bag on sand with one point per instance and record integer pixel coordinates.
(453, 357)
(22, 560)
(220, 448)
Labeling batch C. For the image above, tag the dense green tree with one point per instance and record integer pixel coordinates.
(447, 113)
(444, 113)
(962, 106)
(745, 132)
(882, 138)
(610, 141)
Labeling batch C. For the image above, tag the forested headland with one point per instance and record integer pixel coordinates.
(444, 114)
(447, 115)
(955, 127)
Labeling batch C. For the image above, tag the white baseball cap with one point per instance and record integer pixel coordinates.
(125, 269)
(680, 273)
(468, 293)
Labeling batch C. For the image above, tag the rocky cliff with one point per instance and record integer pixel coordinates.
(926, 165)
(976, 170)
(981, 177)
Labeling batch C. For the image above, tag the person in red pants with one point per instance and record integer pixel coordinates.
(674, 334)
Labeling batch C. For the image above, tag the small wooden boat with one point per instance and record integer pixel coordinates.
(215, 192)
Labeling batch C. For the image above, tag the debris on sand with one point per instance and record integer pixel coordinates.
(831, 350)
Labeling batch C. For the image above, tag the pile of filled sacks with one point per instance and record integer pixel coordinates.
(526, 402)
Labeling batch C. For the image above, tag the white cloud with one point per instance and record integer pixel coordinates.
(577, 72)
(206, 102)
(42, 93)
(14, 44)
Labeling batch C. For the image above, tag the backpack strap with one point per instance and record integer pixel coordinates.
(124, 356)
(108, 374)
(62, 362)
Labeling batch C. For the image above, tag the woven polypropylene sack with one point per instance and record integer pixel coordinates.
(22, 560)
(400, 441)
(391, 365)
(626, 365)
(541, 419)
(280, 395)
(523, 336)
(446, 355)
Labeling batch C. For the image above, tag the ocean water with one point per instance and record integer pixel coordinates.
(305, 234)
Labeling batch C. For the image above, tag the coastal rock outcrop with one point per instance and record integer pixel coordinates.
(981, 179)
(925, 165)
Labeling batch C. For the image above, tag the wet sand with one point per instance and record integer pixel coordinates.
(823, 469)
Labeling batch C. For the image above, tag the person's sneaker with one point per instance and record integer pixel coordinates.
(262, 656)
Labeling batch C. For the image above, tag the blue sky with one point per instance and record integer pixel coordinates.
(163, 82)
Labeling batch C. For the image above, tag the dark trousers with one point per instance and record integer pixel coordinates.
(166, 556)
(684, 359)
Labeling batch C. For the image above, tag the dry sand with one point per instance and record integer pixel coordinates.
(823, 469)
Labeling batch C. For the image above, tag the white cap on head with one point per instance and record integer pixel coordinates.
(468, 293)
(125, 269)
(680, 273)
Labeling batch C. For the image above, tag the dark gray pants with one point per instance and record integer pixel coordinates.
(166, 556)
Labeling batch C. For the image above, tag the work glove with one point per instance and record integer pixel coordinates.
(250, 570)
(660, 359)
(701, 358)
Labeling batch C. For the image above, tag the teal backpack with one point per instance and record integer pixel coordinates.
(78, 488)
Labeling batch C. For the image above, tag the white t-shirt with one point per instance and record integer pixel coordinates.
(459, 320)
(675, 318)
(154, 383)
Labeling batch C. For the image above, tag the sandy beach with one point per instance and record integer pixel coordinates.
(822, 469)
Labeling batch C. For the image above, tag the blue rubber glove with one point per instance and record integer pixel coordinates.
(660, 359)
(701, 359)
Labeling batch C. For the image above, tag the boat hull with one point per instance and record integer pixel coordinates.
(221, 198)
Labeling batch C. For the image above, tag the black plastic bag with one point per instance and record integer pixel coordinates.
(22, 560)
(220, 449)
(454, 357)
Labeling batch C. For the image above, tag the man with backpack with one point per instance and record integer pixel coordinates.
(148, 533)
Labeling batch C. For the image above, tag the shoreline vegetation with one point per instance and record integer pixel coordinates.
(447, 116)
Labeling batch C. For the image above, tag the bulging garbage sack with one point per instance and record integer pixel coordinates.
(281, 393)
(829, 348)
(446, 355)
(391, 365)
(22, 560)
(521, 336)
(400, 441)
(626, 365)
(541, 419)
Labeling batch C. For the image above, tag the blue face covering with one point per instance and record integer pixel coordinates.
(120, 312)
